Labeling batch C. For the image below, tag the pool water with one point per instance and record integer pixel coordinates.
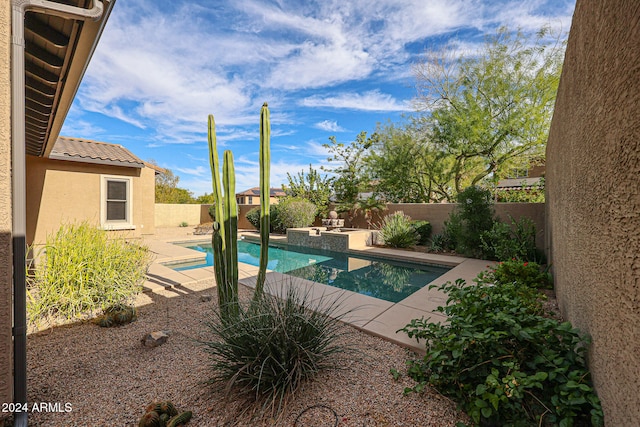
(389, 280)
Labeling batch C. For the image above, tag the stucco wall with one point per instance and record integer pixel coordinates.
(63, 192)
(6, 378)
(172, 215)
(593, 197)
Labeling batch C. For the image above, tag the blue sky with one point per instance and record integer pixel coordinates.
(327, 67)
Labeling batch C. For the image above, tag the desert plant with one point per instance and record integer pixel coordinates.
(293, 212)
(504, 241)
(225, 235)
(225, 227)
(502, 361)
(472, 216)
(274, 345)
(81, 270)
(184, 224)
(396, 231)
(163, 414)
(524, 273)
(423, 228)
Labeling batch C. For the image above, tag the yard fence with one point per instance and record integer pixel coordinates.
(170, 215)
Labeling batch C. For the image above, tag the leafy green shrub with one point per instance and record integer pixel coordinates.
(274, 345)
(504, 241)
(473, 216)
(253, 216)
(423, 228)
(502, 361)
(523, 273)
(292, 212)
(397, 232)
(83, 270)
(184, 224)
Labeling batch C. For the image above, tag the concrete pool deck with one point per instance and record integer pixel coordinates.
(371, 315)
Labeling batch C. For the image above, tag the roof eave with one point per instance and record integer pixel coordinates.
(89, 37)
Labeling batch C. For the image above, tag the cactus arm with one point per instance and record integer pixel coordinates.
(217, 240)
(230, 208)
(265, 162)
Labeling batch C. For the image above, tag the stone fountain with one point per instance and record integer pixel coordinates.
(333, 221)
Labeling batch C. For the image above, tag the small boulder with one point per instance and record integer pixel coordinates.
(206, 298)
(154, 339)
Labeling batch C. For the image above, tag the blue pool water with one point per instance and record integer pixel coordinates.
(385, 279)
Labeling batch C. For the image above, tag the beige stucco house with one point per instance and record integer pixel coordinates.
(252, 196)
(45, 47)
(84, 180)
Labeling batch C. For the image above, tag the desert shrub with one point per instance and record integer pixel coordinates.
(83, 270)
(253, 216)
(472, 216)
(273, 346)
(292, 212)
(524, 273)
(504, 241)
(423, 228)
(397, 232)
(502, 361)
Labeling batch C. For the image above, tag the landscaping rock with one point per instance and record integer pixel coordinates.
(155, 339)
(206, 298)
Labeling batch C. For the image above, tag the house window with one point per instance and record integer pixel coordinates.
(116, 203)
(250, 200)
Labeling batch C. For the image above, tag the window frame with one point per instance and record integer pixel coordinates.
(127, 223)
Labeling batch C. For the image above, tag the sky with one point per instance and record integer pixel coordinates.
(326, 68)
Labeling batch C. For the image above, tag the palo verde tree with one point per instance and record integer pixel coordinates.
(407, 167)
(351, 174)
(487, 111)
(167, 190)
(311, 186)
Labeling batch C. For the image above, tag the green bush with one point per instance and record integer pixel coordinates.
(293, 212)
(502, 361)
(504, 241)
(524, 273)
(472, 217)
(397, 232)
(274, 345)
(423, 228)
(253, 216)
(83, 270)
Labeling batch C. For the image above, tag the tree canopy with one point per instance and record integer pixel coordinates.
(167, 190)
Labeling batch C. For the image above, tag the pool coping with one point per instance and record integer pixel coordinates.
(371, 315)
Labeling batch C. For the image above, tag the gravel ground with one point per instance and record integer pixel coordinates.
(105, 377)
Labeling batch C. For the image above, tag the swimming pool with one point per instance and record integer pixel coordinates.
(389, 280)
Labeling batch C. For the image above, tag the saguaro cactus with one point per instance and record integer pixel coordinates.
(225, 228)
(265, 194)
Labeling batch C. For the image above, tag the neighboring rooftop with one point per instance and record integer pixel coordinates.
(519, 183)
(255, 191)
(88, 151)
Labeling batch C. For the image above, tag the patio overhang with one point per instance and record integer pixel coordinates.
(57, 53)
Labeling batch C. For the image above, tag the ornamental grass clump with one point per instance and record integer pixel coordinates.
(397, 231)
(503, 361)
(273, 346)
(82, 270)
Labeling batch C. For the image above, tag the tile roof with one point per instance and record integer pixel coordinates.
(525, 183)
(88, 151)
(255, 191)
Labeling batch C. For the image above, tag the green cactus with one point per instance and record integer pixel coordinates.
(153, 406)
(168, 408)
(265, 193)
(164, 419)
(150, 419)
(225, 235)
(225, 225)
(183, 418)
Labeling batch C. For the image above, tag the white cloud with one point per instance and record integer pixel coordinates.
(367, 101)
(329, 126)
